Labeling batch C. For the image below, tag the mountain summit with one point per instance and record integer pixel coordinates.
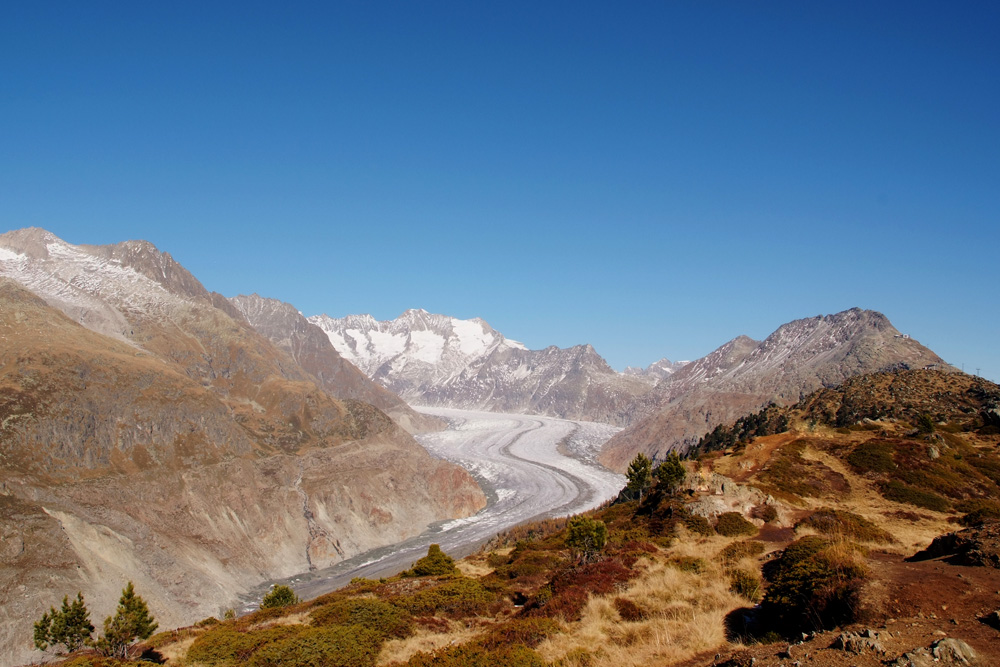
(745, 375)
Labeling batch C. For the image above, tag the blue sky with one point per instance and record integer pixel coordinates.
(652, 178)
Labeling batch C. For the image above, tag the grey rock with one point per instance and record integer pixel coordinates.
(953, 651)
(852, 642)
(920, 657)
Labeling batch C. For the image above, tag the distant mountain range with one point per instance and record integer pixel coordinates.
(439, 360)
(148, 432)
(152, 430)
(430, 359)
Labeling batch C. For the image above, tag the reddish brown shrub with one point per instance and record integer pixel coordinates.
(628, 610)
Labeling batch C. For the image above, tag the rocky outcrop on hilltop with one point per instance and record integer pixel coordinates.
(430, 359)
(744, 375)
(167, 443)
(286, 327)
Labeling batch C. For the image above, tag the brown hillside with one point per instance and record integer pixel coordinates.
(694, 578)
(182, 450)
(744, 376)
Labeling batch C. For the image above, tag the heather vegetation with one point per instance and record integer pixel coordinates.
(672, 569)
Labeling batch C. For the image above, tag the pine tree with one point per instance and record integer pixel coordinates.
(586, 537)
(436, 562)
(70, 626)
(640, 475)
(280, 596)
(131, 621)
(670, 474)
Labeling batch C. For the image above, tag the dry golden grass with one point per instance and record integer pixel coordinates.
(299, 618)
(684, 615)
(401, 650)
(863, 499)
(474, 566)
(174, 653)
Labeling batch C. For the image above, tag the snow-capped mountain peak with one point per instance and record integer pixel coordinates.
(431, 359)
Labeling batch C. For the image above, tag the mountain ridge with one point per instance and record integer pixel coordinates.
(438, 360)
(745, 375)
(147, 435)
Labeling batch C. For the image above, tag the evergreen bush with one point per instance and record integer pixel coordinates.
(435, 563)
(279, 596)
(732, 524)
(336, 646)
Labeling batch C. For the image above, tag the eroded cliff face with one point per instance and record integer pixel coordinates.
(173, 446)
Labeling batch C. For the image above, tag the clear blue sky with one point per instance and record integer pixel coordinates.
(652, 178)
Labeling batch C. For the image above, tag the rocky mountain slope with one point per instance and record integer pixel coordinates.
(307, 344)
(147, 434)
(795, 547)
(744, 375)
(430, 359)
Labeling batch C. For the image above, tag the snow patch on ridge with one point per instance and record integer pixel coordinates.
(9, 255)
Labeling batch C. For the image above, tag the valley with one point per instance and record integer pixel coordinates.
(530, 467)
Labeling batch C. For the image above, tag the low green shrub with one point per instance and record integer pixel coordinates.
(527, 564)
(732, 524)
(978, 510)
(223, 646)
(901, 493)
(690, 564)
(746, 584)
(378, 615)
(435, 563)
(161, 639)
(815, 583)
(458, 598)
(736, 551)
(279, 596)
(698, 525)
(833, 522)
(322, 647)
(872, 457)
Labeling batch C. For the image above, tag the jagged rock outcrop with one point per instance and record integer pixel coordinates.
(976, 545)
(430, 359)
(286, 327)
(167, 443)
(744, 375)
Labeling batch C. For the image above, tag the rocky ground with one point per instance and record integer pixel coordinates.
(913, 606)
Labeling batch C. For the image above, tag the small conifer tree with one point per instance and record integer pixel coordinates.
(639, 474)
(436, 562)
(69, 626)
(586, 537)
(670, 474)
(280, 596)
(132, 621)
